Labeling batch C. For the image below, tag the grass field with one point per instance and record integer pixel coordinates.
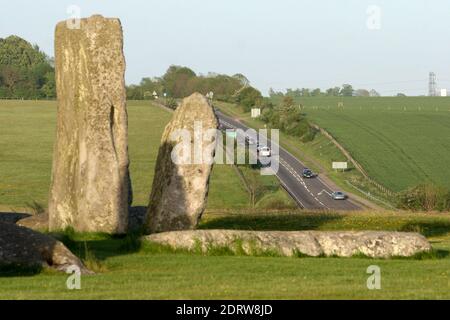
(128, 269)
(317, 155)
(152, 272)
(401, 142)
(27, 131)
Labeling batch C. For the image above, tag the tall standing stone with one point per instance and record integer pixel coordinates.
(90, 189)
(180, 187)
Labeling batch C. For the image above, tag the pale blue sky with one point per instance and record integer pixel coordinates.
(277, 43)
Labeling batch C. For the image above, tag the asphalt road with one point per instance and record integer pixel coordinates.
(311, 193)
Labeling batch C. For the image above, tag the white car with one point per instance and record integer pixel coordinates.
(265, 152)
(338, 195)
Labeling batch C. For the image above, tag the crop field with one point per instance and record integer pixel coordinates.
(400, 141)
(27, 132)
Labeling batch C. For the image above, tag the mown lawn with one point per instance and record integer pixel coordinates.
(141, 271)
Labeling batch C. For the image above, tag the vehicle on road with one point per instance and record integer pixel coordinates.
(250, 141)
(308, 173)
(265, 152)
(338, 195)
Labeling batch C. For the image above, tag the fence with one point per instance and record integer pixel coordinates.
(353, 161)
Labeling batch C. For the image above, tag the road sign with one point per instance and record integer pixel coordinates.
(231, 133)
(340, 165)
(256, 112)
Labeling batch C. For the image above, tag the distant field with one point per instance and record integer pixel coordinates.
(401, 142)
(27, 131)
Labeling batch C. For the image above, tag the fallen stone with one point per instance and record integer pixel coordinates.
(38, 222)
(180, 187)
(25, 247)
(90, 189)
(375, 244)
(13, 217)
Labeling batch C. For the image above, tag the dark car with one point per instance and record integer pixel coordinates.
(249, 141)
(307, 173)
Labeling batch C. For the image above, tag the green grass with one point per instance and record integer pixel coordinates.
(27, 131)
(317, 155)
(401, 142)
(147, 271)
(129, 269)
(430, 225)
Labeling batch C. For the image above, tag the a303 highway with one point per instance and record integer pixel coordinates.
(312, 193)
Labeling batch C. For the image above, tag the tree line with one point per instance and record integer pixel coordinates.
(346, 90)
(179, 82)
(25, 71)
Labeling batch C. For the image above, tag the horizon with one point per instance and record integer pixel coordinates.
(348, 44)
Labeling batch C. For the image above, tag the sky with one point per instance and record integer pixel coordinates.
(389, 45)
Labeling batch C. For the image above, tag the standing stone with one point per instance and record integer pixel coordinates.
(90, 189)
(180, 187)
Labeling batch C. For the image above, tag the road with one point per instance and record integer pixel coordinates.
(308, 193)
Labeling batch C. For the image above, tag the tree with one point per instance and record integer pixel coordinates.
(334, 92)
(316, 92)
(248, 98)
(49, 88)
(242, 79)
(175, 80)
(374, 93)
(179, 82)
(347, 90)
(362, 93)
(26, 72)
(288, 102)
(305, 92)
(288, 118)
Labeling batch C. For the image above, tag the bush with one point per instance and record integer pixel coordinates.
(171, 103)
(288, 118)
(248, 98)
(425, 197)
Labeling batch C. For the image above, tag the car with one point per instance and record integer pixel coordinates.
(250, 141)
(265, 152)
(338, 195)
(307, 173)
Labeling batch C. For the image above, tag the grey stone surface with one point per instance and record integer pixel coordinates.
(37, 222)
(90, 189)
(376, 244)
(179, 191)
(25, 247)
(13, 217)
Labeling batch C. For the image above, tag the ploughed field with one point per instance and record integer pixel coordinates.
(400, 141)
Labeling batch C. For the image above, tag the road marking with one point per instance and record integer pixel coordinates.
(291, 171)
(301, 180)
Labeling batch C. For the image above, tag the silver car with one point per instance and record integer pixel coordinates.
(338, 195)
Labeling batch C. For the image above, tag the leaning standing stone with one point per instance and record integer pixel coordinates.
(185, 159)
(90, 189)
